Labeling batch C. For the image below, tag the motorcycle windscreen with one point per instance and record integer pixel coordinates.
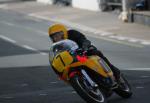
(59, 54)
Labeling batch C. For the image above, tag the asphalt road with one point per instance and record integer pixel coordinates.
(25, 74)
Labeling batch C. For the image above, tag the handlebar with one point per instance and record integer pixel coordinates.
(82, 52)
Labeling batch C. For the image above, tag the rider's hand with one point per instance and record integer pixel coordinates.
(91, 50)
(79, 51)
(86, 44)
(91, 47)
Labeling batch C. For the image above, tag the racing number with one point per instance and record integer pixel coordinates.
(59, 56)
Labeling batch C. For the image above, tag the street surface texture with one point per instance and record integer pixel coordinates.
(26, 76)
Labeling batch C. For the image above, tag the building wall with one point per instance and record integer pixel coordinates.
(132, 3)
(45, 1)
(86, 4)
(94, 5)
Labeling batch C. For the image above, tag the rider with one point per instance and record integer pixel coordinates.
(58, 32)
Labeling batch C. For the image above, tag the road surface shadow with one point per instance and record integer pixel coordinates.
(38, 84)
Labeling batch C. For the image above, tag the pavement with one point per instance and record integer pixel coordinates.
(99, 23)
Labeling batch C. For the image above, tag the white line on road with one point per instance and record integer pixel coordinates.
(24, 85)
(105, 34)
(138, 69)
(133, 40)
(8, 97)
(121, 38)
(8, 23)
(145, 42)
(73, 92)
(33, 49)
(117, 37)
(54, 82)
(24, 46)
(119, 42)
(43, 94)
(7, 39)
(139, 87)
(43, 53)
(145, 76)
(3, 6)
(29, 48)
(42, 33)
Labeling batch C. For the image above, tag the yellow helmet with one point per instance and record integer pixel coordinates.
(58, 28)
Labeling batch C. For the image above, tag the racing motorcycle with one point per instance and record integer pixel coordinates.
(89, 75)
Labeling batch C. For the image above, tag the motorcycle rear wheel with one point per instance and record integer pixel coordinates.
(89, 94)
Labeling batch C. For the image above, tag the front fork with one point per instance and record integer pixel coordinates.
(91, 82)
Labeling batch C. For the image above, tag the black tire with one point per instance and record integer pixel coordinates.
(124, 89)
(84, 92)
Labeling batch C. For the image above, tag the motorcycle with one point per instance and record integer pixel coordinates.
(89, 75)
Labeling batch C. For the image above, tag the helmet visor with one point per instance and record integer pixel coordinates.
(57, 36)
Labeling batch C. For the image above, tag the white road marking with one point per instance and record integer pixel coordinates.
(145, 42)
(118, 37)
(139, 69)
(54, 82)
(24, 85)
(8, 23)
(118, 41)
(139, 87)
(38, 16)
(24, 46)
(3, 6)
(43, 53)
(8, 97)
(34, 19)
(43, 94)
(133, 40)
(29, 48)
(145, 76)
(112, 36)
(105, 34)
(7, 39)
(73, 92)
(41, 33)
(121, 38)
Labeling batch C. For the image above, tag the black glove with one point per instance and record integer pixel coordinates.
(92, 50)
(80, 51)
(86, 44)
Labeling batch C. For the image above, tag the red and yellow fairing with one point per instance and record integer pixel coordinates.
(64, 61)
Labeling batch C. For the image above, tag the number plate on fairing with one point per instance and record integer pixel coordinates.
(61, 60)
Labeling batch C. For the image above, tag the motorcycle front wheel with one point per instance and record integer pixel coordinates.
(86, 91)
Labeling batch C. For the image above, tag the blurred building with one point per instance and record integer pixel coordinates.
(98, 5)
